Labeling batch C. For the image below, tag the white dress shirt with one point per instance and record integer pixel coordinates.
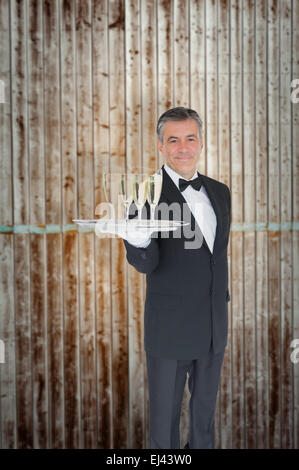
(200, 206)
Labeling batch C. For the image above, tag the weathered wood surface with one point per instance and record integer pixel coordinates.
(84, 83)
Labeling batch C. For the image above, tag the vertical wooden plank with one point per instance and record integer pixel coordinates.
(118, 263)
(7, 314)
(273, 214)
(7, 335)
(165, 57)
(37, 216)
(149, 118)
(181, 52)
(181, 98)
(295, 203)
(101, 125)
(86, 210)
(237, 236)
(21, 216)
(198, 66)
(71, 342)
(135, 279)
(285, 217)
(149, 114)
(23, 343)
(53, 216)
(5, 115)
(223, 91)
(249, 218)
(224, 396)
(211, 140)
(69, 239)
(262, 352)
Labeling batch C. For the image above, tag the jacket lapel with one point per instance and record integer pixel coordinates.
(215, 203)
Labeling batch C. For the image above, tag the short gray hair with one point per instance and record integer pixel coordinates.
(177, 114)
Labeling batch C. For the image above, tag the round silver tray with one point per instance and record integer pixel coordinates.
(157, 225)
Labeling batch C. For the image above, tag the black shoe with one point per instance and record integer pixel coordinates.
(187, 446)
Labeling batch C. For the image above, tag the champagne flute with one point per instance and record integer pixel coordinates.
(154, 191)
(126, 193)
(140, 187)
(118, 186)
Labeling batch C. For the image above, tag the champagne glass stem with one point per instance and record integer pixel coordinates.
(140, 213)
(153, 212)
(126, 213)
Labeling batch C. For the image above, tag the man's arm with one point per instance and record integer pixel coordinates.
(143, 255)
(145, 260)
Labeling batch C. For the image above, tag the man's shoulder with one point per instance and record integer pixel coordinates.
(218, 185)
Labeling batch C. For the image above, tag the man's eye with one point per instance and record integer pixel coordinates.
(173, 141)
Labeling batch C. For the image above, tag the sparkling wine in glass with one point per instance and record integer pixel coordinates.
(154, 191)
(140, 188)
(126, 192)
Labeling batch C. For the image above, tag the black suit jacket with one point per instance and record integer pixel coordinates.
(187, 292)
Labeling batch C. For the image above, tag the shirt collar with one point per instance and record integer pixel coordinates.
(175, 176)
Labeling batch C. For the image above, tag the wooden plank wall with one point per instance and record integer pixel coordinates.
(84, 83)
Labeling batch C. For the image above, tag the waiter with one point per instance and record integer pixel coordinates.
(186, 310)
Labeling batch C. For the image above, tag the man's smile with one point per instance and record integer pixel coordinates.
(184, 157)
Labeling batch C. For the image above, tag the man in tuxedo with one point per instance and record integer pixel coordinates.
(186, 310)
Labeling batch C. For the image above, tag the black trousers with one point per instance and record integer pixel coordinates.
(166, 383)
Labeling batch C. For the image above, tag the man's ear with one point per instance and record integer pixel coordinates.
(160, 146)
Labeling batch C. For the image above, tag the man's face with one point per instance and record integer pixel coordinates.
(181, 146)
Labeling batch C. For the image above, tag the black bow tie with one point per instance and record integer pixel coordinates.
(196, 183)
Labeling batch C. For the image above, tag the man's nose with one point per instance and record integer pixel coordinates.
(183, 146)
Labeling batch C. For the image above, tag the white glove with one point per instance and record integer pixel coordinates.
(137, 236)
